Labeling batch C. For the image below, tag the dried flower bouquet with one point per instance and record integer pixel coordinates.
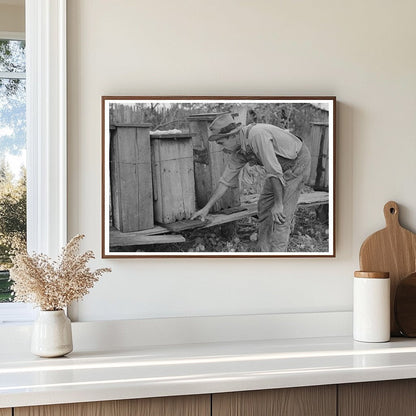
(53, 285)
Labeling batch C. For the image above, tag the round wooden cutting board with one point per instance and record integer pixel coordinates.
(393, 250)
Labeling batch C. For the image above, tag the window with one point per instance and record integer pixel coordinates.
(12, 153)
(46, 134)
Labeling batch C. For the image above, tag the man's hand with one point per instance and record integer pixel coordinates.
(277, 213)
(202, 213)
(216, 196)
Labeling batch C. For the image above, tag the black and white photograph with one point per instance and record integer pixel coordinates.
(218, 176)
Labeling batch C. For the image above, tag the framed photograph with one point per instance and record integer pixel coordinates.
(218, 177)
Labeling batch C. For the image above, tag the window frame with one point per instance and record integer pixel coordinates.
(14, 312)
(46, 125)
(46, 137)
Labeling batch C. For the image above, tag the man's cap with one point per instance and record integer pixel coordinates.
(223, 126)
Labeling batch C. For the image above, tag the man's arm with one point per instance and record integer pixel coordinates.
(229, 179)
(277, 209)
(218, 193)
(262, 144)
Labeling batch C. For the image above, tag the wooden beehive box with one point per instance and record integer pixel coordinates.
(173, 177)
(209, 164)
(131, 177)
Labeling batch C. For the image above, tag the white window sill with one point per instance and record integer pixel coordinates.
(16, 313)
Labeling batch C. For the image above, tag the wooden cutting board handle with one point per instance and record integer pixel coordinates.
(393, 250)
(391, 214)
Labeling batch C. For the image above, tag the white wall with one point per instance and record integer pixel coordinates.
(361, 51)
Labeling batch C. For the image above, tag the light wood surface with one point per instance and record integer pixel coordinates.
(317, 401)
(385, 398)
(164, 406)
(392, 250)
(5, 412)
(405, 306)
(372, 275)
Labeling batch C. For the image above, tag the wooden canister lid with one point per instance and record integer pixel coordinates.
(372, 275)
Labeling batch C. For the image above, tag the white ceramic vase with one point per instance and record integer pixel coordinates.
(52, 334)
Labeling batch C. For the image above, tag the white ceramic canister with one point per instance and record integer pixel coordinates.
(371, 310)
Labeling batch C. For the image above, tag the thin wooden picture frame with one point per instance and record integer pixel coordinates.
(159, 168)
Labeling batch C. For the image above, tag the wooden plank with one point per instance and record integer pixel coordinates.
(5, 412)
(160, 406)
(132, 239)
(300, 401)
(116, 237)
(251, 209)
(129, 219)
(322, 171)
(179, 226)
(325, 159)
(136, 125)
(315, 198)
(318, 145)
(311, 198)
(314, 150)
(203, 182)
(157, 229)
(144, 173)
(115, 188)
(228, 211)
(176, 136)
(157, 181)
(218, 219)
(383, 398)
(320, 123)
(206, 116)
(186, 171)
(171, 182)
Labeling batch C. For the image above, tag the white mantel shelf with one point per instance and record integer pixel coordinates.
(151, 371)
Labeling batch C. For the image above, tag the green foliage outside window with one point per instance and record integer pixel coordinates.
(12, 145)
(12, 223)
